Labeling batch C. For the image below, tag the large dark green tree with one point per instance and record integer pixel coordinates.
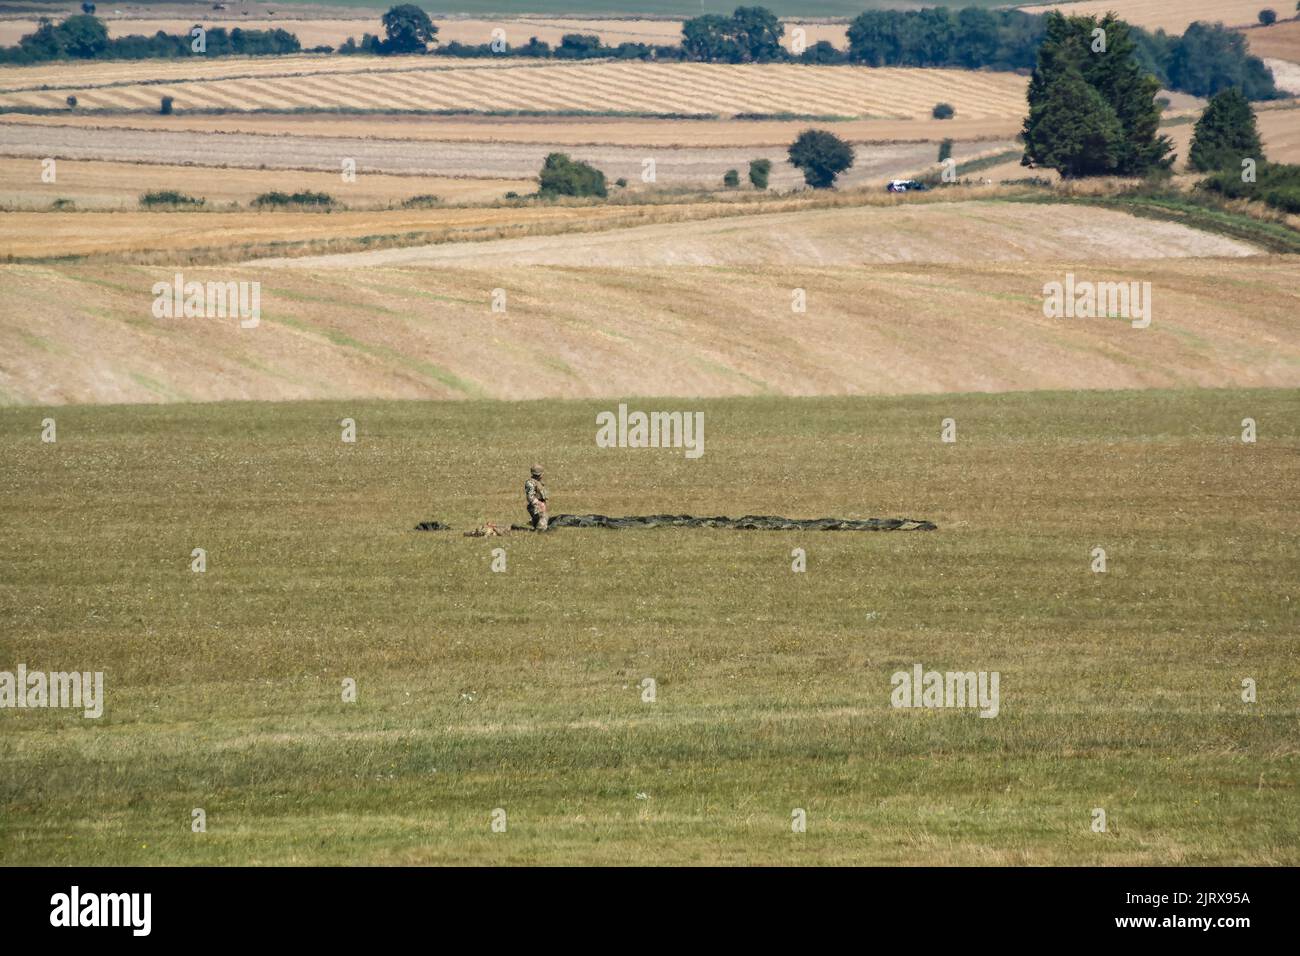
(820, 156)
(749, 35)
(409, 29)
(1072, 50)
(1225, 134)
(1077, 132)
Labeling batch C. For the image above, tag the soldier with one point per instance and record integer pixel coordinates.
(535, 495)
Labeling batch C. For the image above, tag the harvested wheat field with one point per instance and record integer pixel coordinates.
(413, 83)
(431, 333)
(1172, 16)
(101, 185)
(672, 166)
(105, 73)
(1280, 41)
(549, 130)
(938, 232)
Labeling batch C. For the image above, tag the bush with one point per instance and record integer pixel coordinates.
(621, 183)
(821, 156)
(562, 176)
(165, 106)
(422, 201)
(945, 150)
(759, 170)
(72, 102)
(823, 52)
(1267, 17)
(1276, 184)
(943, 111)
(168, 197)
(731, 178)
(305, 198)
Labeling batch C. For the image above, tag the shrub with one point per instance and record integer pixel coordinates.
(562, 176)
(1267, 17)
(305, 198)
(422, 201)
(945, 150)
(731, 179)
(943, 111)
(759, 170)
(821, 156)
(621, 182)
(1276, 184)
(168, 197)
(72, 102)
(165, 106)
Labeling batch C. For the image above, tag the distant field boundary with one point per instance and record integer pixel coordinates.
(1193, 210)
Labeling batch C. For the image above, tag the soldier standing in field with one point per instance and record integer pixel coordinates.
(535, 495)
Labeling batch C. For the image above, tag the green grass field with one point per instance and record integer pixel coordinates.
(521, 690)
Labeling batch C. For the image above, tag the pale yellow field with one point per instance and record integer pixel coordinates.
(653, 88)
(897, 231)
(1281, 40)
(422, 332)
(1172, 16)
(333, 31)
(223, 236)
(99, 185)
(568, 131)
(116, 72)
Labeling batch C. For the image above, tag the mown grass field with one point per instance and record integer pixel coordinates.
(432, 84)
(520, 690)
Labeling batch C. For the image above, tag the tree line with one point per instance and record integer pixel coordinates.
(1204, 60)
(85, 37)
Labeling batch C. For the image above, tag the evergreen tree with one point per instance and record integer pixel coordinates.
(1225, 134)
(1072, 129)
(1072, 53)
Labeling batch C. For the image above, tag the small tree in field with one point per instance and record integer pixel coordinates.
(1225, 134)
(945, 150)
(165, 106)
(72, 102)
(562, 176)
(820, 156)
(1267, 17)
(731, 178)
(759, 170)
(943, 111)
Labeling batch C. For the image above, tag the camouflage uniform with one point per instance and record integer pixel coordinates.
(535, 495)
